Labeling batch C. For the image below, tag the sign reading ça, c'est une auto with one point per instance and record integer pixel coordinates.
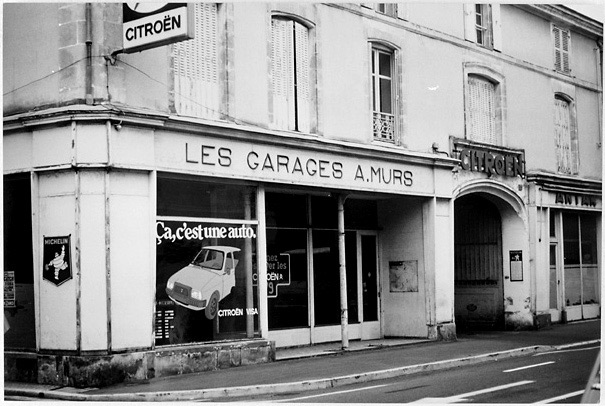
(149, 25)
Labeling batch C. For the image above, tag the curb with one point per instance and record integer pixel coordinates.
(315, 384)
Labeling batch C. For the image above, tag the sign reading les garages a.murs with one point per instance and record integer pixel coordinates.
(149, 25)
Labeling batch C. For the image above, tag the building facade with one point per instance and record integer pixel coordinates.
(293, 174)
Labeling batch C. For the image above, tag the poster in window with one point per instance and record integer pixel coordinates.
(403, 276)
(516, 266)
(9, 289)
(57, 260)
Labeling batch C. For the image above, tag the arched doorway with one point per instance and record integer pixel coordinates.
(479, 292)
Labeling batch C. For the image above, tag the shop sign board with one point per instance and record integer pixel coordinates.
(10, 299)
(492, 160)
(150, 25)
(57, 260)
(574, 199)
(264, 162)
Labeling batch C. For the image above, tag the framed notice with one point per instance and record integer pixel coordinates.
(516, 266)
(403, 276)
(10, 299)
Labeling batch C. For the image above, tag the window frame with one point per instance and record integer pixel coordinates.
(561, 56)
(490, 13)
(472, 69)
(378, 128)
(300, 111)
(574, 156)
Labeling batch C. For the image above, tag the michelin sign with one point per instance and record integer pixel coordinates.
(150, 25)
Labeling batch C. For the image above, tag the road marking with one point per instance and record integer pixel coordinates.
(463, 397)
(570, 350)
(331, 393)
(562, 397)
(529, 366)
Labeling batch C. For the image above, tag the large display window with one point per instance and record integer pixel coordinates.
(206, 253)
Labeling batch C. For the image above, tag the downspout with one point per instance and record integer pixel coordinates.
(88, 75)
(599, 51)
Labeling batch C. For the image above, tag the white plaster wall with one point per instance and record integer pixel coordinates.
(93, 286)
(132, 263)
(91, 144)
(52, 146)
(402, 240)
(444, 262)
(17, 151)
(57, 304)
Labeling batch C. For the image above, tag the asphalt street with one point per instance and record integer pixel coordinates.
(559, 376)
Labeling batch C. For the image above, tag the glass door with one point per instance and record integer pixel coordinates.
(369, 292)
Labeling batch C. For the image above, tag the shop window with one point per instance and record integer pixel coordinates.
(561, 45)
(566, 140)
(196, 67)
(383, 93)
(205, 262)
(580, 258)
(482, 25)
(286, 210)
(287, 290)
(19, 310)
(291, 75)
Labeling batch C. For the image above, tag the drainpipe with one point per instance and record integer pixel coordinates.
(344, 316)
(88, 74)
(599, 52)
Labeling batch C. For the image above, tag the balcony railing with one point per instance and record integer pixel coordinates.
(384, 126)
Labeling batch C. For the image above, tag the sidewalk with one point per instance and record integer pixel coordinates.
(323, 366)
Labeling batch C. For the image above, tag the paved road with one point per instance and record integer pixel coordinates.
(554, 377)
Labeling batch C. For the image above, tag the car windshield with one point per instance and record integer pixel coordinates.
(209, 258)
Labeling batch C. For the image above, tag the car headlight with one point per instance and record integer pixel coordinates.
(170, 285)
(196, 294)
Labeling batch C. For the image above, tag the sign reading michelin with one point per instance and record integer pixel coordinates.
(150, 25)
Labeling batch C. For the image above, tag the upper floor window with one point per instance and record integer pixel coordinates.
(291, 75)
(565, 137)
(483, 110)
(561, 40)
(482, 25)
(389, 9)
(196, 67)
(383, 94)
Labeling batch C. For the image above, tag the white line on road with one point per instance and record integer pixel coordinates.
(331, 393)
(464, 396)
(529, 366)
(562, 397)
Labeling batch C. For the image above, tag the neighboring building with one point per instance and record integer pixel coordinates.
(354, 171)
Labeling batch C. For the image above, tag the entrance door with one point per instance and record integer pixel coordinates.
(369, 292)
(479, 294)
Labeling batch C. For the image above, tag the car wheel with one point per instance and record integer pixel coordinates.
(212, 306)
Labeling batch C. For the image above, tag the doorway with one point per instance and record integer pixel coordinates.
(479, 291)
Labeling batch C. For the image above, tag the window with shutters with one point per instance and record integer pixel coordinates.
(196, 67)
(482, 25)
(482, 110)
(383, 94)
(290, 75)
(561, 39)
(565, 137)
(389, 9)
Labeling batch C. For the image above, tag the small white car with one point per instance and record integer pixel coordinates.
(206, 281)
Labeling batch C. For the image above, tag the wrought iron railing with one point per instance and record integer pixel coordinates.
(384, 126)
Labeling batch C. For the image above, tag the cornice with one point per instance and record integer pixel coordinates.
(552, 181)
(567, 17)
(126, 116)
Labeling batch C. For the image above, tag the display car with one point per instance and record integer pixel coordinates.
(207, 280)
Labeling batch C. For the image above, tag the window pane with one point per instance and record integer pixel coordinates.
(288, 304)
(286, 210)
(385, 64)
(552, 224)
(192, 198)
(553, 277)
(385, 96)
(327, 277)
(324, 212)
(590, 268)
(571, 260)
